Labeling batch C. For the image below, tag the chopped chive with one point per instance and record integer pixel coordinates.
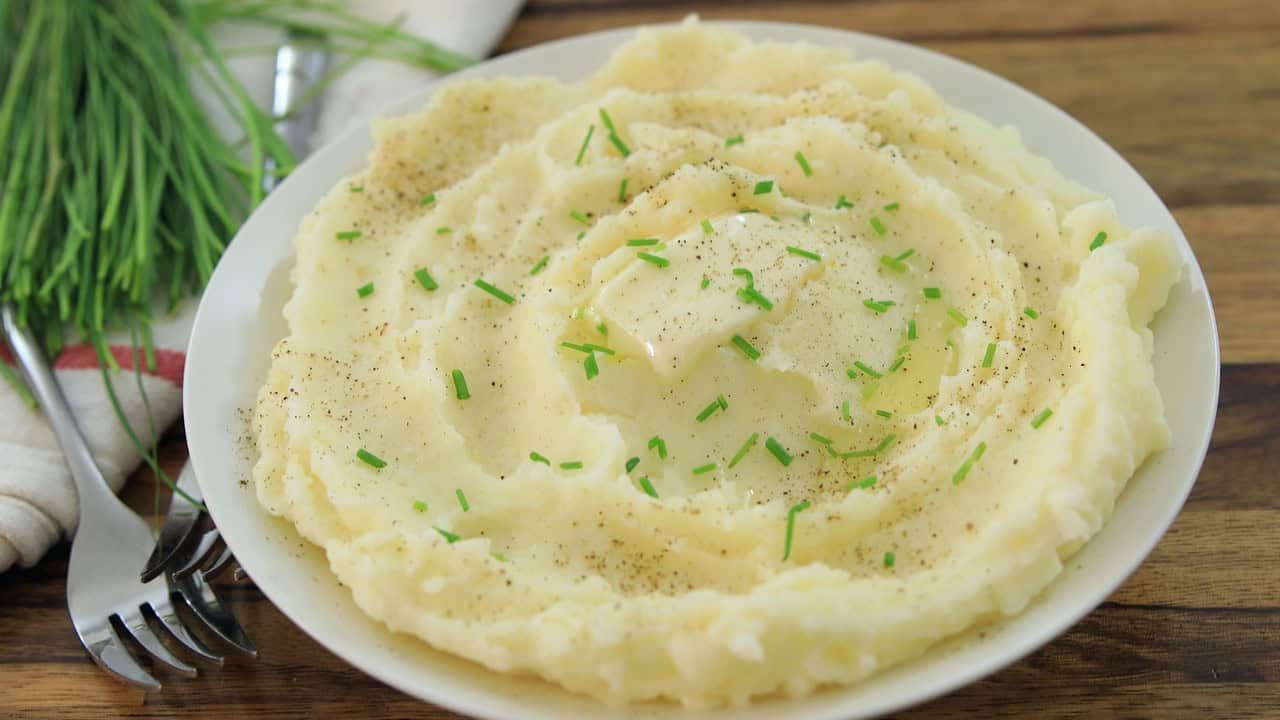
(804, 253)
(778, 451)
(866, 369)
(705, 282)
(462, 500)
(621, 146)
(370, 459)
(424, 279)
(571, 465)
(820, 439)
(591, 130)
(990, 356)
(499, 557)
(349, 234)
(642, 242)
(903, 256)
(590, 365)
(653, 259)
(419, 506)
(742, 451)
(357, 188)
(884, 413)
(701, 469)
(660, 444)
(842, 202)
(746, 347)
(537, 268)
(978, 451)
(897, 363)
(448, 536)
(889, 559)
(938, 419)
(608, 121)
(747, 210)
(750, 295)
(870, 389)
(648, 487)
(1098, 239)
(892, 206)
(888, 440)
(735, 140)
(1040, 419)
(803, 163)
(904, 349)
(365, 290)
(428, 199)
(581, 235)
(576, 215)
(864, 483)
(718, 404)
(958, 316)
(1030, 313)
(622, 191)
(538, 457)
(460, 385)
(844, 411)
(877, 306)
(967, 465)
(603, 330)
(893, 264)
(932, 293)
(791, 524)
(632, 463)
(764, 187)
(504, 297)
(878, 226)
(444, 230)
(911, 329)
(588, 348)
(707, 229)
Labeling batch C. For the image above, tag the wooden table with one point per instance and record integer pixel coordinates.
(1189, 92)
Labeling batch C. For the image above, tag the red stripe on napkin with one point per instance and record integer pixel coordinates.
(169, 363)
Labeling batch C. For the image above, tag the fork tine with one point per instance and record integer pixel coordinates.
(200, 554)
(109, 653)
(205, 603)
(223, 560)
(137, 625)
(169, 618)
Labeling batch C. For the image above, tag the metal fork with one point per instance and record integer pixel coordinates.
(102, 577)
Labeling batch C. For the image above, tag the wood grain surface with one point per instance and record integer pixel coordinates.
(1189, 92)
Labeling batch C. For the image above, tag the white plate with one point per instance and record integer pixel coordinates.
(239, 321)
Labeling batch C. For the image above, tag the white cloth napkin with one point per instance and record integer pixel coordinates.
(37, 497)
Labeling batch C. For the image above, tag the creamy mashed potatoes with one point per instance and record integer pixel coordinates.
(734, 369)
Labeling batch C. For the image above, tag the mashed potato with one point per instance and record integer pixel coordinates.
(734, 369)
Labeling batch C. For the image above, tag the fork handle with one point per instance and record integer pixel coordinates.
(88, 478)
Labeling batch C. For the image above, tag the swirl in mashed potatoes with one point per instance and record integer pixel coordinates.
(778, 371)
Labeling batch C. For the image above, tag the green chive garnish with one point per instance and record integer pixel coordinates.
(428, 199)
(504, 297)
(893, 264)
(419, 506)
(538, 457)
(877, 226)
(958, 316)
(864, 483)
(884, 413)
(844, 411)
(804, 253)
(705, 282)
(990, 356)
(870, 389)
(892, 206)
(967, 465)
(843, 203)
(938, 419)
(424, 279)
(648, 487)
(701, 469)
(735, 140)
(888, 439)
(911, 329)
(603, 330)
(653, 259)
(571, 465)
(642, 242)
(582, 235)
(889, 559)
(621, 146)
(588, 348)
(718, 404)
(608, 121)
(820, 439)
(499, 557)
(590, 365)
(460, 385)
(370, 459)
(349, 234)
(897, 363)
(357, 188)
(1030, 313)
(622, 191)
(365, 290)
(448, 536)
(632, 463)
(747, 348)
(778, 451)
(660, 444)
(591, 129)
(1098, 239)
(764, 187)
(791, 524)
(706, 227)
(462, 500)
(750, 295)
(537, 268)
(742, 451)
(932, 293)
(866, 369)
(804, 164)
(576, 215)
(1040, 419)
(877, 306)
